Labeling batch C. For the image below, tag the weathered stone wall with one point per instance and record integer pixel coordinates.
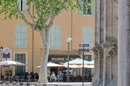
(105, 50)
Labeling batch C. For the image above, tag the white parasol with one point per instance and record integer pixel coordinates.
(11, 63)
(77, 61)
(91, 62)
(51, 64)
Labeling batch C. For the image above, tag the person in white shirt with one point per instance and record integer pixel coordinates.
(53, 77)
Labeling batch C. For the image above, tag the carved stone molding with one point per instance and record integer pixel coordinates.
(114, 52)
(95, 54)
(101, 53)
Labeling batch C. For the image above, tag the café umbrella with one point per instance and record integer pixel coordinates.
(51, 64)
(91, 62)
(87, 66)
(11, 63)
(8, 63)
(72, 66)
(77, 61)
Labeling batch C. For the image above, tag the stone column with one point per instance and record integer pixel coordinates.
(104, 66)
(98, 66)
(123, 42)
(95, 66)
(110, 68)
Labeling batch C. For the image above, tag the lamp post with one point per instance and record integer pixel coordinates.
(68, 39)
(1, 48)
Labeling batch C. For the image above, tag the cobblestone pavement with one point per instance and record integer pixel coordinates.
(54, 84)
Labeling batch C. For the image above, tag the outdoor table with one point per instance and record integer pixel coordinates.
(29, 78)
(73, 78)
(17, 78)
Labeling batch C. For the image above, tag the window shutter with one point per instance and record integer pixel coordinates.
(17, 35)
(55, 36)
(80, 11)
(15, 66)
(24, 5)
(20, 35)
(87, 36)
(23, 35)
(19, 4)
(93, 7)
(52, 37)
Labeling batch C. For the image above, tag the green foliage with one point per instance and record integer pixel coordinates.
(116, 17)
(8, 71)
(42, 9)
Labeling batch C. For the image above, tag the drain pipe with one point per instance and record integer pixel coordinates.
(72, 30)
(33, 45)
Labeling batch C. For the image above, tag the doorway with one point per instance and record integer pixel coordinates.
(20, 58)
(88, 70)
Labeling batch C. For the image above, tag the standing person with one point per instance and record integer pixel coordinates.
(60, 76)
(53, 77)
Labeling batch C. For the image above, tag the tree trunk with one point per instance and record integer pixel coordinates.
(44, 60)
(124, 43)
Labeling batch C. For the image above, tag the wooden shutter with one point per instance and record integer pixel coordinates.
(87, 36)
(80, 11)
(24, 5)
(20, 35)
(19, 4)
(55, 36)
(93, 7)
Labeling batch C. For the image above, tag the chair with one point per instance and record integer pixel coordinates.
(85, 78)
(78, 78)
(37, 77)
(64, 79)
(10, 78)
(61, 78)
(32, 76)
(17, 78)
(26, 74)
(22, 78)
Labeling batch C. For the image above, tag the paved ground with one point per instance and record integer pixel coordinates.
(55, 84)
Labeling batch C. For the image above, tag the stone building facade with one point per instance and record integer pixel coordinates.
(105, 50)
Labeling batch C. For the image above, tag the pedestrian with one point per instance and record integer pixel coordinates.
(60, 76)
(53, 77)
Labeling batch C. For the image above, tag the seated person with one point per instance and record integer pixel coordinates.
(60, 77)
(53, 77)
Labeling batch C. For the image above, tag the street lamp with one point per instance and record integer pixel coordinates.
(68, 39)
(1, 48)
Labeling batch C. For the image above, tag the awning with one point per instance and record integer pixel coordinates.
(64, 56)
(61, 58)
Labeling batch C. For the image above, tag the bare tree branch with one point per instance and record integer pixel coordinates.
(23, 17)
(31, 15)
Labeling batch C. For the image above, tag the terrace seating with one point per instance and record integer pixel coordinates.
(78, 78)
(22, 78)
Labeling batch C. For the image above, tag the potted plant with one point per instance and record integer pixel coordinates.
(8, 71)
